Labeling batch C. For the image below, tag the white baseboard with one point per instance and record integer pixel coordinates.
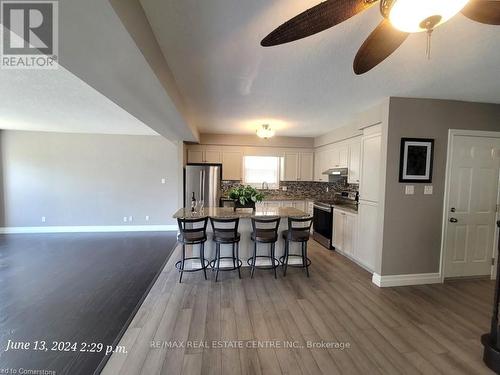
(402, 280)
(89, 229)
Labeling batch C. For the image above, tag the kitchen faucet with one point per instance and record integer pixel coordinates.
(265, 185)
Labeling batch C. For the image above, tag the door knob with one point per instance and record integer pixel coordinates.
(453, 220)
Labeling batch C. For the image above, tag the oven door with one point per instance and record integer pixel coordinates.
(323, 221)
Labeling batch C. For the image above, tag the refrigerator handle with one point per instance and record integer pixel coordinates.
(202, 186)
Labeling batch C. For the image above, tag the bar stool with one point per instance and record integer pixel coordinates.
(192, 232)
(226, 233)
(265, 230)
(299, 230)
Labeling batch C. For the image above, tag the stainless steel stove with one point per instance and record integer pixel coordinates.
(323, 215)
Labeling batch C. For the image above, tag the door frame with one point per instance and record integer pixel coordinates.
(452, 133)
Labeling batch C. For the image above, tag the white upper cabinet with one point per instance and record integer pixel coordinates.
(290, 166)
(370, 167)
(195, 156)
(339, 157)
(336, 156)
(320, 163)
(306, 162)
(354, 162)
(344, 154)
(297, 166)
(204, 156)
(212, 156)
(232, 162)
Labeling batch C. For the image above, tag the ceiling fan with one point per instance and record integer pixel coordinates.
(401, 17)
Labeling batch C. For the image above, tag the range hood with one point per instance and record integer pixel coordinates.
(336, 172)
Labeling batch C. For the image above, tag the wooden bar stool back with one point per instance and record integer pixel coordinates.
(225, 232)
(265, 231)
(192, 231)
(299, 230)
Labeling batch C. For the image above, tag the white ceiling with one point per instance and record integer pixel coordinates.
(56, 100)
(307, 88)
(103, 85)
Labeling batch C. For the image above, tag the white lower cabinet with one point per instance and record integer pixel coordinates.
(310, 207)
(345, 232)
(350, 234)
(367, 237)
(338, 230)
(299, 205)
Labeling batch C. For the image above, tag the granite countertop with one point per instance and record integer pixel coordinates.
(228, 212)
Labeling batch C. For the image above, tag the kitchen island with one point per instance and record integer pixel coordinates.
(245, 229)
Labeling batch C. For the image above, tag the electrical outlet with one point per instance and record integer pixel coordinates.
(327, 189)
(130, 218)
(125, 219)
(147, 217)
(284, 188)
(409, 189)
(44, 219)
(428, 190)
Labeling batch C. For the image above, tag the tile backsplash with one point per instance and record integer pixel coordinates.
(299, 189)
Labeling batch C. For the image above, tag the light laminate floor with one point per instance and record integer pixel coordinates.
(428, 329)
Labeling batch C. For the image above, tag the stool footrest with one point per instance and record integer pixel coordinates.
(298, 265)
(178, 265)
(212, 264)
(275, 263)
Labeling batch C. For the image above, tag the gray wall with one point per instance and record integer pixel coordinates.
(412, 223)
(87, 179)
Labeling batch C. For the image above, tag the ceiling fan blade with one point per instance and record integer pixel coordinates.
(318, 18)
(383, 41)
(483, 11)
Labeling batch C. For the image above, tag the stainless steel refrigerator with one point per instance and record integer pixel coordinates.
(204, 180)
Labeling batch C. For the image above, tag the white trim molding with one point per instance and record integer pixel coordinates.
(404, 280)
(89, 229)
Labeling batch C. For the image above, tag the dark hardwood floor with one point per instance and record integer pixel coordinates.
(78, 288)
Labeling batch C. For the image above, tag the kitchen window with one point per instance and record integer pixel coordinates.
(259, 170)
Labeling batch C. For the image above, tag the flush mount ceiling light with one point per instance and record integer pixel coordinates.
(265, 131)
(413, 16)
(401, 17)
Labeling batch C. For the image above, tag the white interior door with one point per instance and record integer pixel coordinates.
(471, 206)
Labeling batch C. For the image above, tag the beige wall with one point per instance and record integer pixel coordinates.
(254, 141)
(88, 179)
(412, 223)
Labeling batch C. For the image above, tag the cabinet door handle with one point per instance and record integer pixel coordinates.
(453, 220)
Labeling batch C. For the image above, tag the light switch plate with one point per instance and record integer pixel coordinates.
(428, 189)
(409, 189)
(163, 181)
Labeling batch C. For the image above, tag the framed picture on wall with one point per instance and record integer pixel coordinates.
(416, 160)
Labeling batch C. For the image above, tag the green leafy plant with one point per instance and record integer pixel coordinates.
(246, 195)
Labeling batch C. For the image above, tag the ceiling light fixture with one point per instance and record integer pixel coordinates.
(265, 131)
(413, 16)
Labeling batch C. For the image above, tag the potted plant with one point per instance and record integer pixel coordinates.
(245, 197)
